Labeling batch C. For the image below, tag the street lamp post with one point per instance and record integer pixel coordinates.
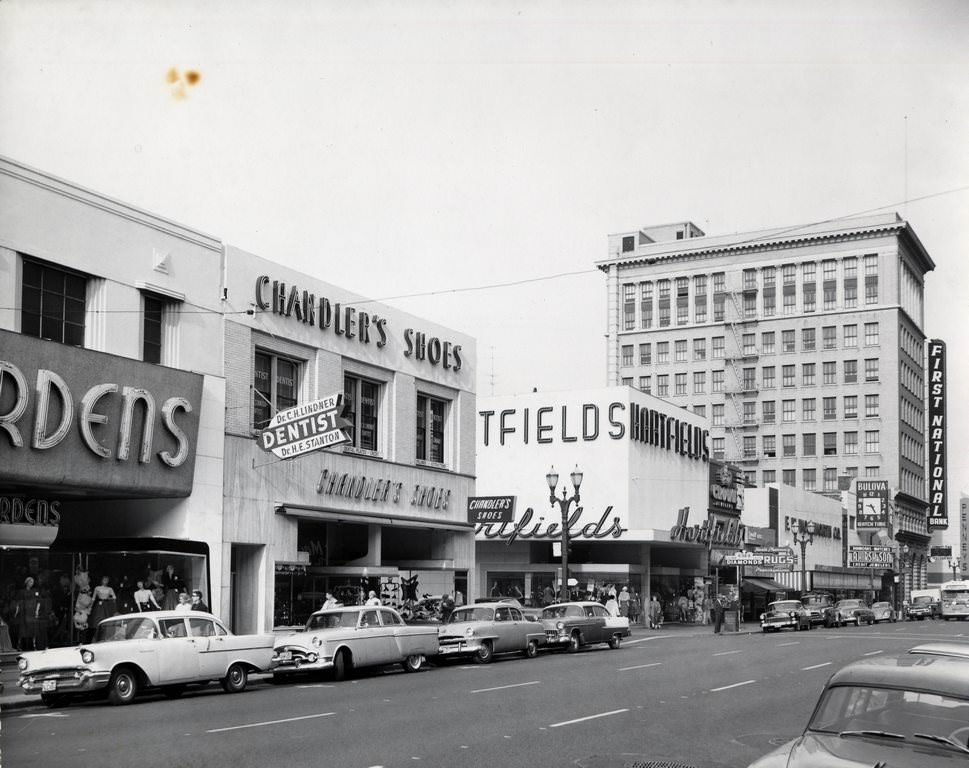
(552, 478)
(803, 537)
(902, 559)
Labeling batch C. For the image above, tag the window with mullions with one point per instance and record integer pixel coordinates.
(275, 385)
(361, 398)
(53, 303)
(431, 415)
(151, 348)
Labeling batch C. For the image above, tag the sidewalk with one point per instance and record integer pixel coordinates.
(12, 698)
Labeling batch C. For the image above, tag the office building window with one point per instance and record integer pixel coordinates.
(808, 409)
(663, 385)
(699, 349)
(718, 307)
(850, 282)
(646, 304)
(851, 473)
(788, 477)
(361, 398)
(830, 408)
(716, 417)
(750, 446)
(53, 303)
(749, 381)
(789, 444)
(716, 445)
(770, 446)
(851, 407)
(788, 412)
(829, 337)
(699, 382)
(275, 386)
(851, 443)
(871, 334)
(787, 375)
(626, 381)
(769, 476)
(663, 287)
(871, 369)
(809, 479)
(679, 350)
(829, 284)
(807, 339)
(749, 343)
(718, 347)
(851, 371)
(645, 354)
(830, 443)
(151, 342)
(750, 412)
(829, 372)
(767, 372)
(808, 286)
(750, 305)
(767, 342)
(787, 341)
(810, 442)
(700, 410)
(682, 300)
(679, 383)
(629, 307)
(662, 352)
(768, 411)
(627, 355)
(431, 414)
(851, 336)
(871, 406)
(871, 279)
(808, 374)
(873, 471)
(717, 381)
(645, 384)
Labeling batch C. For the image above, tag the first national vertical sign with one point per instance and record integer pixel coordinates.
(306, 428)
(938, 512)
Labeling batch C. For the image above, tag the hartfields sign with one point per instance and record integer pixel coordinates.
(306, 428)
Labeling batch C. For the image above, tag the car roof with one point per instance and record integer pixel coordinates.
(583, 603)
(172, 614)
(488, 604)
(957, 650)
(935, 674)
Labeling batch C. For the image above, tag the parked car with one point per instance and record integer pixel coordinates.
(922, 607)
(785, 614)
(820, 606)
(943, 648)
(485, 629)
(341, 639)
(851, 612)
(169, 650)
(573, 625)
(883, 611)
(885, 711)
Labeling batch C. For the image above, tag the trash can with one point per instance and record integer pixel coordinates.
(731, 620)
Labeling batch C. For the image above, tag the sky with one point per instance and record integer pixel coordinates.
(466, 161)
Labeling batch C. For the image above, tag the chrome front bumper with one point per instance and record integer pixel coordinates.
(64, 680)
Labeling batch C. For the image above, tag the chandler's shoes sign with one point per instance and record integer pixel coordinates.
(306, 428)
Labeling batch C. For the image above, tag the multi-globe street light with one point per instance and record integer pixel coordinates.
(552, 478)
(803, 536)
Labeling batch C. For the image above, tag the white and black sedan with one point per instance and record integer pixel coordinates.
(785, 614)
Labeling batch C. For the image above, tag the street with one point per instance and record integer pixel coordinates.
(679, 694)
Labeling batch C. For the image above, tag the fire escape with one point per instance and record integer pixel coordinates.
(741, 379)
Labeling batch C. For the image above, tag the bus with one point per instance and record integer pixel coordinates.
(955, 600)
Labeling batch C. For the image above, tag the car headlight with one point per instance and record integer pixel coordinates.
(317, 641)
(469, 632)
(22, 664)
(311, 658)
(87, 655)
(763, 616)
(792, 614)
(560, 625)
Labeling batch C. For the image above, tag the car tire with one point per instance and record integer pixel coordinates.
(575, 642)
(55, 700)
(173, 691)
(413, 663)
(485, 653)
(123, 686)
(615, 642)
(341, 665)
(236, 678)
(531, 650)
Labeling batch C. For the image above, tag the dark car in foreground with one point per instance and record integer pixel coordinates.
(943, 648)
(573, 625)
(785, 614)
(852, 612)
(902, 711)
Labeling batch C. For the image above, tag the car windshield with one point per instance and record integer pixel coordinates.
(849, 604)
(333, 620)
(891, 713)
(472, 614)
(956, 594)
(785, 605)
(561, 611)
(922, 599)
(881, 605)
(135, 628)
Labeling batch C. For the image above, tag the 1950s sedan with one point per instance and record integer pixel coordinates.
(340, 639)
(162, 649)
(572, 625)
(484, 629)
(785, 613)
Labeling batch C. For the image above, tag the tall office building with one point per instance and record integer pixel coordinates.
(803, 346)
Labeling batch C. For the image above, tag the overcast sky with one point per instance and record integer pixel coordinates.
(402, 148)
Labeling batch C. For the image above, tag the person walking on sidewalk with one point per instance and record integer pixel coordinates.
(655, 613)
(717, 614)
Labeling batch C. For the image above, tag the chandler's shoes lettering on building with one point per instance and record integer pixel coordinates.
(95, 422)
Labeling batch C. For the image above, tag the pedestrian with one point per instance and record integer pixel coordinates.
(447, 606)
(184, 604)
(717, 614)
(198, 604)
(624, 602)
(612, 605)
(372, 598)
(707, 609)
(655, 613)
(329, 601)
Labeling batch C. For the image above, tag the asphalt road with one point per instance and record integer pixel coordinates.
(688, 697)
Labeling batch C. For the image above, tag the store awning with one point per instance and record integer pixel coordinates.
(762, 585)
(330, 515)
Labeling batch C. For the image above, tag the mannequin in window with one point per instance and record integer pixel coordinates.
(173, 585)
(145, 599)
(105, 603)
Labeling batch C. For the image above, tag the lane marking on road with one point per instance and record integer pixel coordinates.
(315, 685)
(727, 653)
(735, 685)
(641, 666)
(872, 653)
(45, 714)
(796, 642)
(504, 687)
(269, 722)
(639, 640)
(590, 717)
(816, 666)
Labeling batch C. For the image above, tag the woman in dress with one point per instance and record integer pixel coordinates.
(105, 603)
(29, 614)
(145, 599)
(173, 585)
